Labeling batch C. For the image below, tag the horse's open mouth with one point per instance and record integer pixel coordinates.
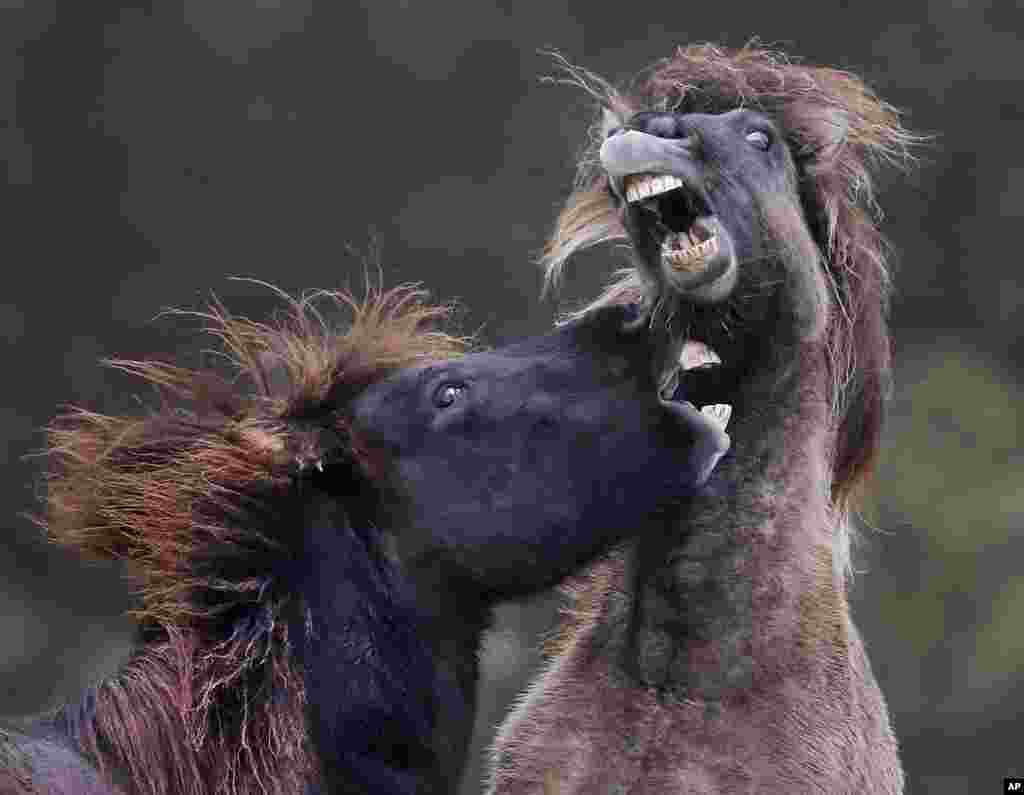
(678, 234)
(701, 380)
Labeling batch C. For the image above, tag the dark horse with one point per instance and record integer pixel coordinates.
(323, 551)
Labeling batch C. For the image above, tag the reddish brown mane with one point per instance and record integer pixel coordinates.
(839, 131)
(191, 500)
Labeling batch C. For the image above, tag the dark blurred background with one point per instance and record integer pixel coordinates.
(150, 150)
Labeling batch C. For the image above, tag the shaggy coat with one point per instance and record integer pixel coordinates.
(322, 550)
(720, 656)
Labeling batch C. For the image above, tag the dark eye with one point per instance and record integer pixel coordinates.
(759, 138)
(446, 394)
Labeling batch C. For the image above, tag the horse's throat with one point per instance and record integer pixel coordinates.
(743, 582)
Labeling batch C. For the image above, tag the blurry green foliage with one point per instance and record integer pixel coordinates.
(951, 471)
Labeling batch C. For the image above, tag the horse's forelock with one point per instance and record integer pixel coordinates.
(180, 490)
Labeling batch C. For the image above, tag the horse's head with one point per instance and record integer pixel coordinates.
(742, 181)
(511, 467)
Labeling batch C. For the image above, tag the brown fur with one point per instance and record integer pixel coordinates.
(184, 497)
(723, 658)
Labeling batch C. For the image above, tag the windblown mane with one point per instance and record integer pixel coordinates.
(839, 131)
(197, 501)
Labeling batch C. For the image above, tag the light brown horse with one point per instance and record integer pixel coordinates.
(719, 656)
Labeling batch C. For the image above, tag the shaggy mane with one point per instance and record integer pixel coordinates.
(196, 500)
(839, 132)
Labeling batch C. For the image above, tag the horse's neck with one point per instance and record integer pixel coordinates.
(745, 587)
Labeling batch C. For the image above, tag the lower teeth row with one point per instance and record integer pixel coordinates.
(693, 252)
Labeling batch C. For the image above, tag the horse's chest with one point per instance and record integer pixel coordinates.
(590, 735)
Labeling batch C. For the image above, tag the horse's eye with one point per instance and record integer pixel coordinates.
(446, 394)
(759, 138)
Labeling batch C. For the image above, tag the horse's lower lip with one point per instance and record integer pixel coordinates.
(715, 267)
(701, 265)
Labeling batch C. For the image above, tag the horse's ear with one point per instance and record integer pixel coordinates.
(345, 590)
(325, 531)
(326, 526)
(323, 550)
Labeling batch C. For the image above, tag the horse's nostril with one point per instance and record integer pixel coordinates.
(664, 127)
(659, 123)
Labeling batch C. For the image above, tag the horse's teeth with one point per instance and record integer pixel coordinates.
(640, 187)
(718, 413)
(692, 253)
(695, 354)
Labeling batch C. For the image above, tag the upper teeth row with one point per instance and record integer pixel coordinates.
(696, 353)
(638, 188)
